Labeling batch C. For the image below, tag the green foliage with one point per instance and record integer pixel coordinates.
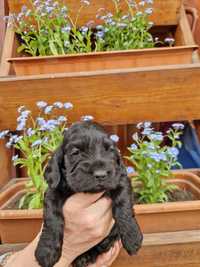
(48, 29)
(39, 138)
(153, 161)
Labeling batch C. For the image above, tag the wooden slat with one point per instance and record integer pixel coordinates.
(165, 12)
(7, 171)
(180, 249)
(112, 97)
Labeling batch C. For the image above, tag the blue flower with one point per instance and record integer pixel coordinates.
(66, 29)
(40, 121)
(84, 29)
(173, 151)
(130, 170)
(156, 136)
(15, 157)
(134, 147)
(62, 119)
(169, 40)
(68, 105)
(3, 134)
(58, 105)
(146, 124)
(25, 113)
(30, 132)
(100, 34)
(21, 126)
(178, 126)
(48, 109)
(114, 138)
(87, 118)
(41, 104)
(147, 131)
(155, 156)
(148, 11)
(36, 143)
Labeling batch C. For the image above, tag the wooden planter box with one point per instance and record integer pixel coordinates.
(15, 225)
(103, 60)
(182, 53)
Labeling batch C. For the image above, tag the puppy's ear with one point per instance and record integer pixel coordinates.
(53, 171)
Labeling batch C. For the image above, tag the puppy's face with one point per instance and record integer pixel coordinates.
(91, 159)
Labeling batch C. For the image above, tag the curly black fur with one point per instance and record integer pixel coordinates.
(87, 161)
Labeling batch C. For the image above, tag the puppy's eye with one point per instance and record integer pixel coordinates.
(75, 151)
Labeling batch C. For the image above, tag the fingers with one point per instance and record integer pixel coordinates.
(106, 259)
(82, 200)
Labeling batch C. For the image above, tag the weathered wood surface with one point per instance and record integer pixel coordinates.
(112, 97)
(166, 12)
(179, 249)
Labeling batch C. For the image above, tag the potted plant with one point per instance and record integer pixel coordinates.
(122, 39)
(21, 203)
(167, 201)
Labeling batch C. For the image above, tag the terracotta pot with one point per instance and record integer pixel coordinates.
(103, 60)
(18, 226)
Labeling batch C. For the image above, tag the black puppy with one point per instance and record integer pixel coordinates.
(87, 161)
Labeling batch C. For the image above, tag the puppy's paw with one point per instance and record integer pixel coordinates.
(47, 257)
(84, 260)
(132, 240)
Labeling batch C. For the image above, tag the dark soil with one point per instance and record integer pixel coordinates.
(175, 196)
(181, 195)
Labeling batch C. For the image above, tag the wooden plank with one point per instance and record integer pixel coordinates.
(112, 97)
(7, 171)
(7, 51)
(178, 249)
(165, 12)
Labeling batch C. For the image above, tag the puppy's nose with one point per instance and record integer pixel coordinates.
(100, 174)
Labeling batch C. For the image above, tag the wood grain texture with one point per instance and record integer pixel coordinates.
(159, 250)
(165, 12)
(7, 170)
(112, 97)
(103, 60)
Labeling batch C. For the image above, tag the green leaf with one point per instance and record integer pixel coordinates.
(21, 48)
(35, 202)
(53, 48)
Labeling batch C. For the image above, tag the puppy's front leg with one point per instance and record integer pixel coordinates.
(128, 227)
(49, 247)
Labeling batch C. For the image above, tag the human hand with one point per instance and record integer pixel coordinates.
(106, 259)
(88, 220)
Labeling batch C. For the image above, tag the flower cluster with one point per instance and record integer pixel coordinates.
(48, 29)
(40, 137)
(153, 160)
(121, 31)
